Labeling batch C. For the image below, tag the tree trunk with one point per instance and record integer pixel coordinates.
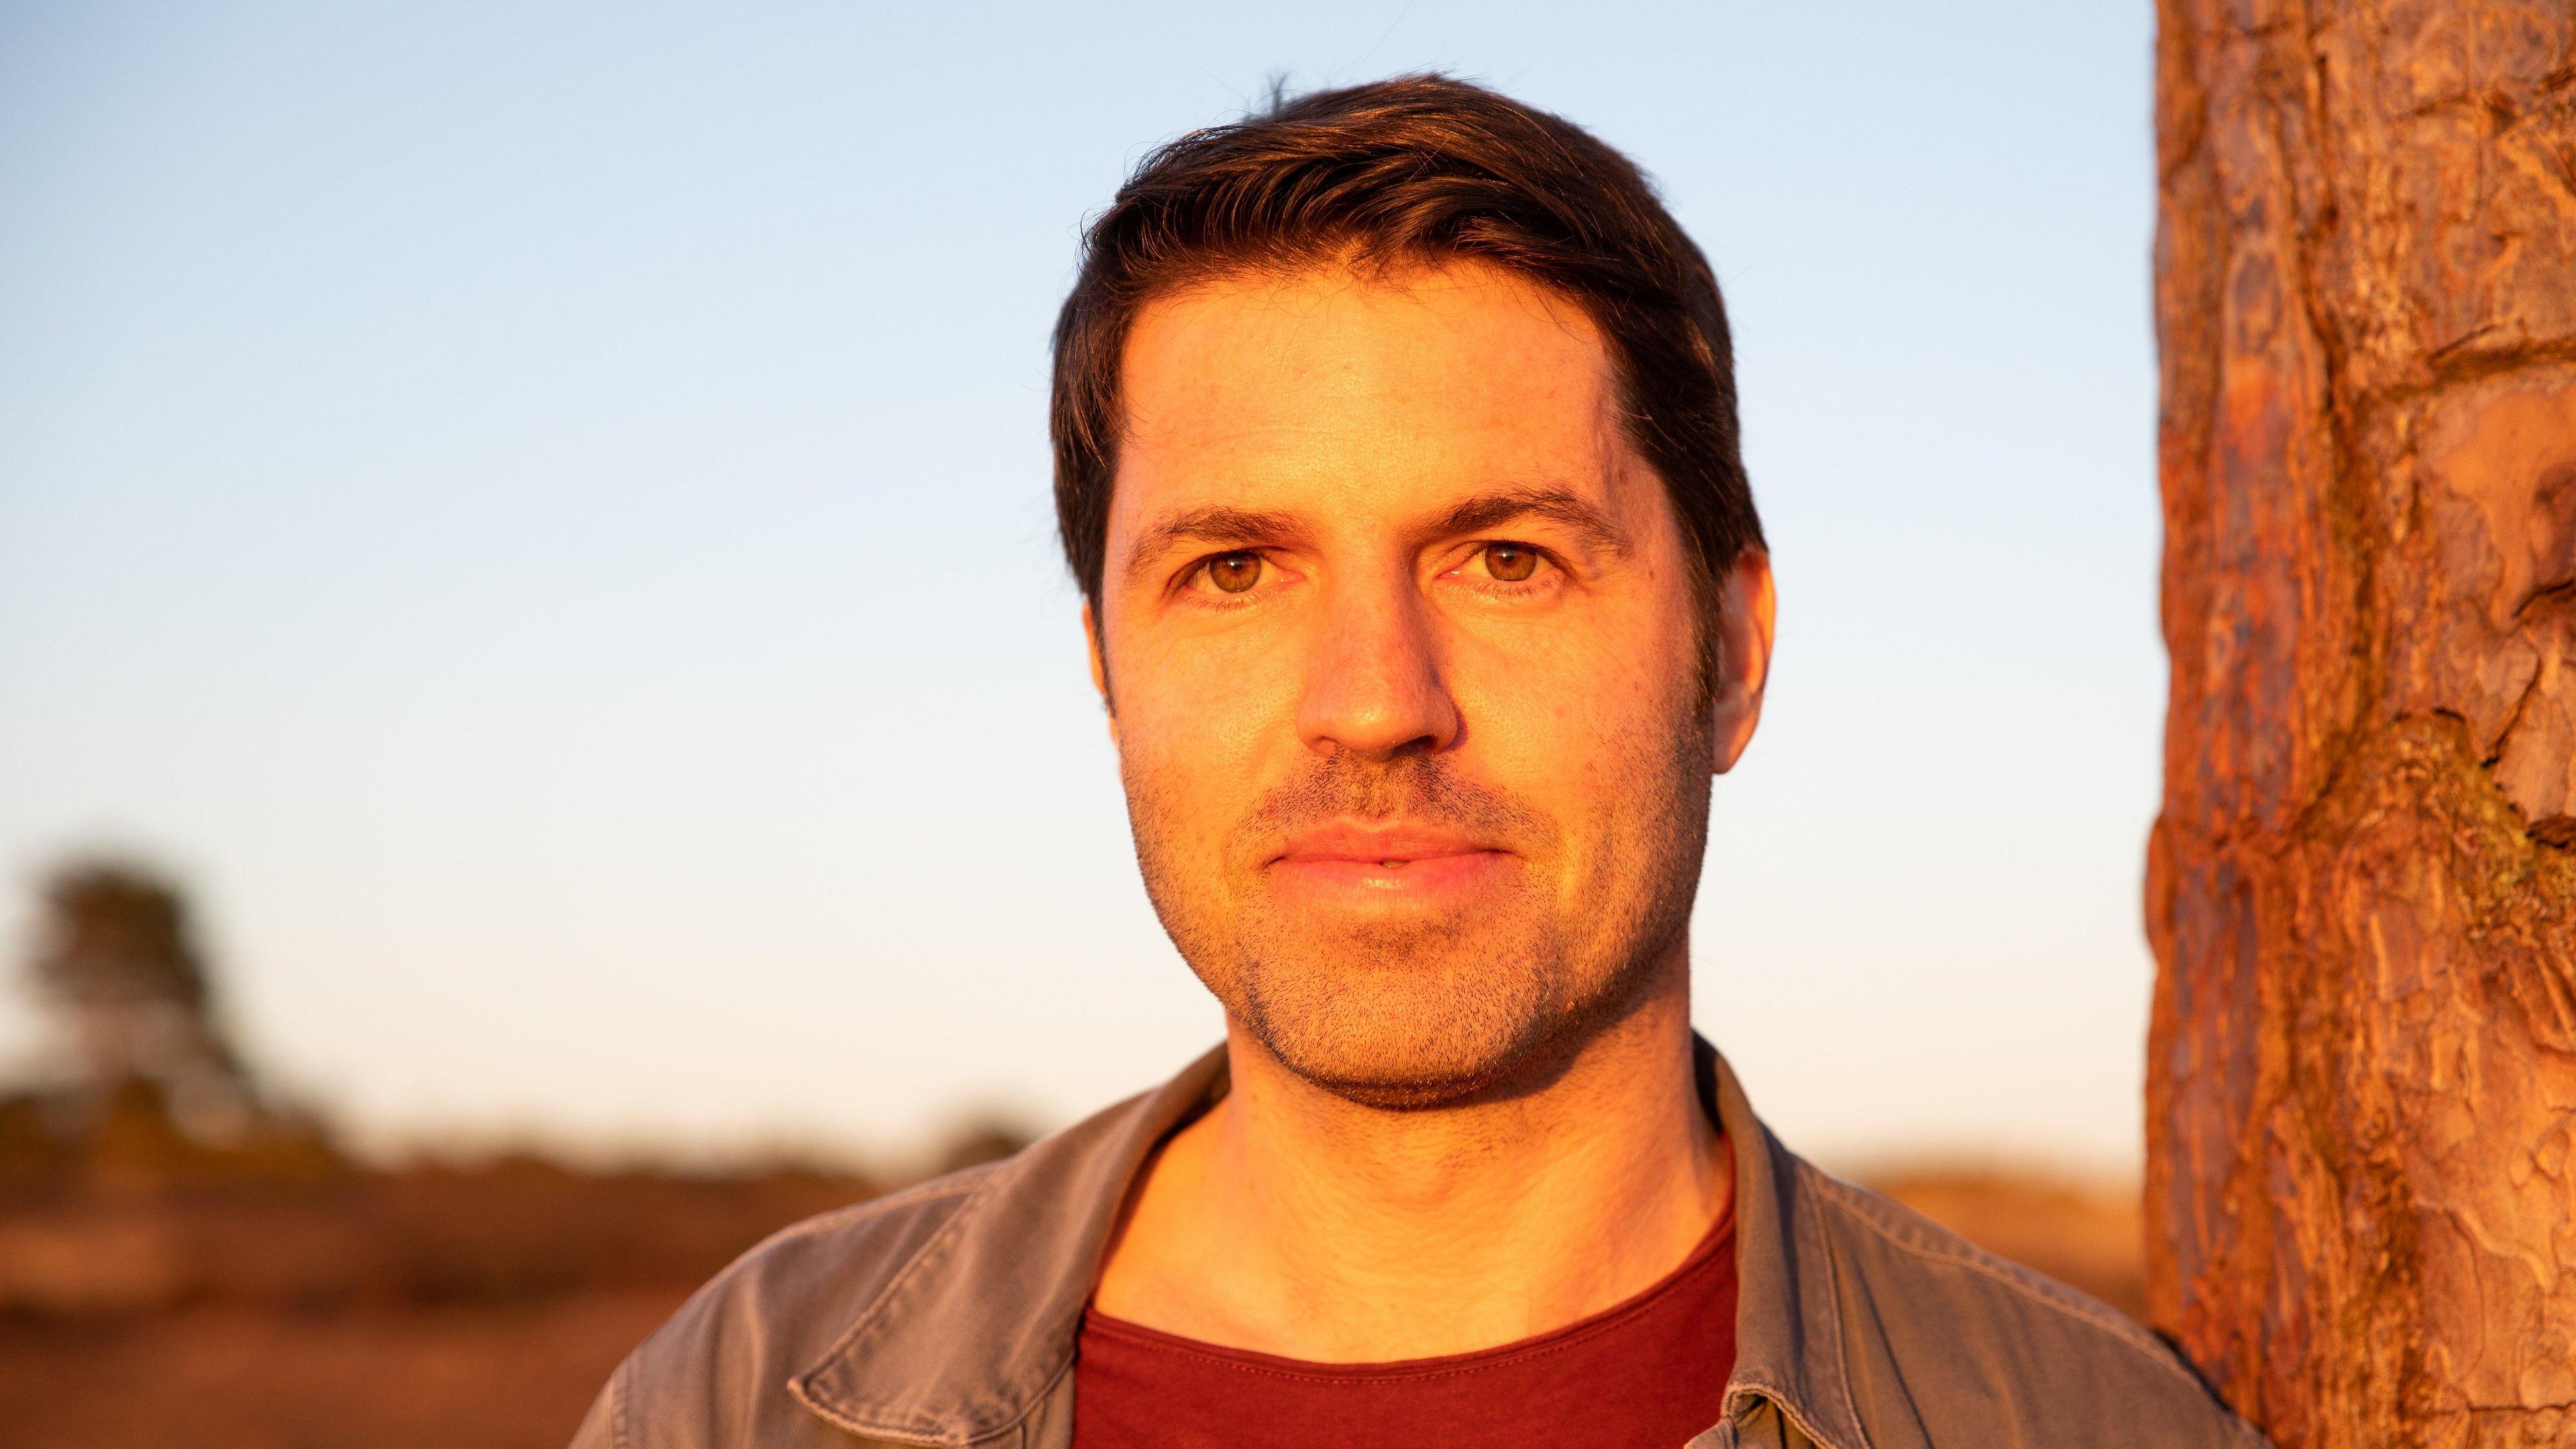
(2362, 1071)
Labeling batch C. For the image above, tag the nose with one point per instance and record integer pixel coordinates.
(1373, 685)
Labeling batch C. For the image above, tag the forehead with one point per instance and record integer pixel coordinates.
(1361, 390)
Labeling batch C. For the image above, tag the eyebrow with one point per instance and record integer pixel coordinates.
(1558, 505)
(1223, 527)
(1218, 525)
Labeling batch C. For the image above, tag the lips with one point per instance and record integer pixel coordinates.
(1377, 844)
(1354, 862)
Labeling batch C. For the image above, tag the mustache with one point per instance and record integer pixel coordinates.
(1417, 789)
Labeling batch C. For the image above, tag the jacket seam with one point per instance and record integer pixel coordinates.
(1045, 1392)
(1789, 1410)
(621, 1385)
(867, 1319)
(796, 1388)
(2014, 1277)
(797, 1391)
(1842, 1354)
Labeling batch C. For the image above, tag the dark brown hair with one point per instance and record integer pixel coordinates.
(1418, 169)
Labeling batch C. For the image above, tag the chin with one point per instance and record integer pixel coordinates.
(1425, 1026)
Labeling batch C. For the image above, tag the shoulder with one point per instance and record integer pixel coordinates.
(717, 1372)
(1947, 1343)
(944, 1312)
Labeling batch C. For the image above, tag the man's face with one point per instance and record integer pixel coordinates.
(1403, 655)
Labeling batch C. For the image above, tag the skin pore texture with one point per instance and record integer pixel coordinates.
(1403, 651)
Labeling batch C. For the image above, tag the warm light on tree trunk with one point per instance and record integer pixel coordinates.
(2362, 1074)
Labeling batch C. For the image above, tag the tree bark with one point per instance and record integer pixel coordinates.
(2362, 1069)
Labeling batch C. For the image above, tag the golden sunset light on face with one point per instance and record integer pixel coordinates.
(1371, 724)
(1442, 811)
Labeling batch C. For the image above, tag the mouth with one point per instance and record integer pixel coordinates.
(1351, 863)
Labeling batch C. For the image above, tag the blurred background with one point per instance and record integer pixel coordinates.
(543, 733)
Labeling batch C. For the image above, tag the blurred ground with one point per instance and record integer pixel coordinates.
(305, 1304)
(2089, 1234)
(459, 1306)
(230, 1376)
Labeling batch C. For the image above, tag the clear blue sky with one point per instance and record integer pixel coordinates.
(539, 512)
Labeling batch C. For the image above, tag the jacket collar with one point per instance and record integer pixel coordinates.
(1788, 1318)
(973, 1332)
(976, 1330)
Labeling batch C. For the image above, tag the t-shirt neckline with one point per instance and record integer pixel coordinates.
(1720, 1237)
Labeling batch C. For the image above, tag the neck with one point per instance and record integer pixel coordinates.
(1292, 1221)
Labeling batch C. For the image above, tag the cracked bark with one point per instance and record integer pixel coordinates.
(2362, 1069)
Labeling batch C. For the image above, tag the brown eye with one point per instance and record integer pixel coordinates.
(1232, 573)
(1510, 562)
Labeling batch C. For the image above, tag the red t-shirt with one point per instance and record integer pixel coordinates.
(1648, 1372)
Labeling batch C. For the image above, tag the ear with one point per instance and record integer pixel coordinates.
(1099, 667)
(1746, 609)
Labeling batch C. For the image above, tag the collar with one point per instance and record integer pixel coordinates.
(1788, 1318)
(978, 1327)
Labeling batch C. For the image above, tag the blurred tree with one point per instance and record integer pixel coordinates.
(2362, 1069)
(117, 963)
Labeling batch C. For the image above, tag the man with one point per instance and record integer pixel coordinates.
(1396, 459)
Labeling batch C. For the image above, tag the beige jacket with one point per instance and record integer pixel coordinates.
(946, 1315)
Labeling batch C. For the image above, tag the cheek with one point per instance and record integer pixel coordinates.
(1196, 728)
(1575, 702)
(1590, 730)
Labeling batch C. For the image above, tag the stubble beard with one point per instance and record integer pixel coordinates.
(1426, 1009)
